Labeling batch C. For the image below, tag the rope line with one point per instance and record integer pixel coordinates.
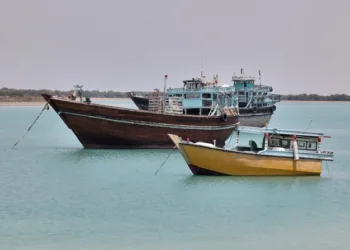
(165, 160)
(31, 125)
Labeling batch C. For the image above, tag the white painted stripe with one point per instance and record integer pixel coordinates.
(154, 124)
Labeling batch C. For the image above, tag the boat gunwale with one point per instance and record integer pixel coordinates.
(251, 153)
(136, 110)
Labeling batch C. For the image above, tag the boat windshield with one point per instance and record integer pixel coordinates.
(246, 139)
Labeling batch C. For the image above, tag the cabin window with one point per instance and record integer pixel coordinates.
(301, 145)
(241, 93)
(311, 145)
(285, 143)
(206, 103)
(275, 142)
(189, 96)
(206, 95)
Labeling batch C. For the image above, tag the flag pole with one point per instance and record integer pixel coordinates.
(164, 93)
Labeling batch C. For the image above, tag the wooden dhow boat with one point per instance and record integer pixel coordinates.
(258, 151)
(104, 126)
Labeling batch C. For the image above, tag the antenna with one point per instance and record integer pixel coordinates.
(202, 76)
(233, 76)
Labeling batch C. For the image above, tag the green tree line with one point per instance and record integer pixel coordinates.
(315, 97)
(116, 94)
(37, 92)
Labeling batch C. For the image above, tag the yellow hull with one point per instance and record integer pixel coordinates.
(209, 161)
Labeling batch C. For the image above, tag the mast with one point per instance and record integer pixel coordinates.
(260, 77)
(164, 94)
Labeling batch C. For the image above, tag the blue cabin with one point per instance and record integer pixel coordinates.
(201, 97)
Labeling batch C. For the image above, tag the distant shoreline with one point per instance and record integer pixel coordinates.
(312, 101)
(39, 102)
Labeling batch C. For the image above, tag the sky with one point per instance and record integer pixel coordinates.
(300, 46)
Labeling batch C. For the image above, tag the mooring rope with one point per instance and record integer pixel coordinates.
(229, 140)
(46, 105)
(308, 125)
(165, 160)
(328, 169)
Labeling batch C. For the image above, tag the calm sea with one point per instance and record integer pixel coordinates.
(56, 195)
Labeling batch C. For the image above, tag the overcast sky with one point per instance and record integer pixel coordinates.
(299, 45)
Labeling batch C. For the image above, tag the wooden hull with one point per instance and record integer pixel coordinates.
(140, 102)
(254, 120)
(246, 117)
(101, 126)
(209, 161)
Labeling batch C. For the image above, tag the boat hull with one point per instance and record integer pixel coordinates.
(108, 127)
(254, 120)
(140, 102)
(209, 161)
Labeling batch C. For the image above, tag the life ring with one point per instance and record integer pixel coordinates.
(273, 107)
(223, 117)
(254, 109)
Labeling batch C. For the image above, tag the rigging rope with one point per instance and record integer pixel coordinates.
(46, 105)
(228, 141)
(165, 160)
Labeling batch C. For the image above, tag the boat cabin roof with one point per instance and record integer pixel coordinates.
(194, 83)
(254, 130)
(243, 78)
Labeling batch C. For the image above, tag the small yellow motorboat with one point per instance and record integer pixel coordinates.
(258, 152)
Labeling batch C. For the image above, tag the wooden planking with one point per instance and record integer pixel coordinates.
(95, 133)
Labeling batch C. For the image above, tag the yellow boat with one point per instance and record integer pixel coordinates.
(258, 152)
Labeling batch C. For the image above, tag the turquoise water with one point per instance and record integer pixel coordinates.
(56, 195)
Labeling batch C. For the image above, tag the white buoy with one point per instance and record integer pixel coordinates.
(295, 148)
(237, 139)
(266, 140)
